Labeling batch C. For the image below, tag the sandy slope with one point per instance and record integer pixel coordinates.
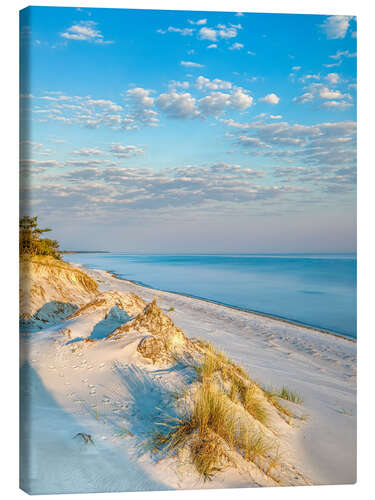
(105, 388)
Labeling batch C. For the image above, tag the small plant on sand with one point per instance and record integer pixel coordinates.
(289, 395)
(171, 309)
(272, 396)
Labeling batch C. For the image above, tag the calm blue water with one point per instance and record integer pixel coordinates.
(317, 290)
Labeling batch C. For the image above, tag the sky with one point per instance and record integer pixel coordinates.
(180, 131)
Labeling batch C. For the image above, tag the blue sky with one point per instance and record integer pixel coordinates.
(190, 131)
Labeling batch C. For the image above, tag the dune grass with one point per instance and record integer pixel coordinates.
(214, 426)
(213, 429)
(289, 395)
(242, 390)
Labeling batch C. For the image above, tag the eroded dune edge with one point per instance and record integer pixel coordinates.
(126, 388)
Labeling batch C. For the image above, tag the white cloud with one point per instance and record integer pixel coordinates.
(199, 22)
(141, 96)
(106, 104)
(236, 46)
(251, 53)
(310, 76)
(215, 84)
(228, 32)
(85, 31)
(176, 105)
(333, 78)
(208, 34)
(325, 93)
(240, 99)
(88, 152)
(306, 97)
(250, 142)
(190, 64)
(222, 31)
(340, 105)
(121, 151)
(182, 31)
(296, 68)
(270, 99)
(182, 85)
(212, 46)
(343, 53)
(214, 104)
(336, 26)
(143, 104)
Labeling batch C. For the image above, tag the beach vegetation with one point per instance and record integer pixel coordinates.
(30, 241)
(213, 430)
(289, 395)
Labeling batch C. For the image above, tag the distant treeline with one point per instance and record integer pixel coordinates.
(32, 244)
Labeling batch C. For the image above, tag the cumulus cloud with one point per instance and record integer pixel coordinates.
(333, 78)
(178, 105)
(220, 32)
(85, 31)
(215, 84)
(240, 99)
(121, 151)
(214, 104)
(306, 97)
(236, 46)
(207, 34)
(212, 46)
(177, 84)
(270, 99)
(336, 26)
(106, 104)
(142, 111)
(324, 143)
(227, 32)
(326, 93)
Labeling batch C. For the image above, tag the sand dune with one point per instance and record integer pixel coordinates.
(106, 371)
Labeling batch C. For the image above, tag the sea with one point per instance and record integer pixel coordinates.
(317, 290)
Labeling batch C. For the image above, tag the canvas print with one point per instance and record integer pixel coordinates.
(187, 250)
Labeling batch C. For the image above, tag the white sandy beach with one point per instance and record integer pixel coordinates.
(105, 389)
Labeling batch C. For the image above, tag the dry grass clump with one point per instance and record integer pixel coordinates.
(213, 430)
(217, 424)
(241, 388)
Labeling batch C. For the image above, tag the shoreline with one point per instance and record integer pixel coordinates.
(236, 308)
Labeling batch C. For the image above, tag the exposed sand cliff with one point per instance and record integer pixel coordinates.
(51, 289)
